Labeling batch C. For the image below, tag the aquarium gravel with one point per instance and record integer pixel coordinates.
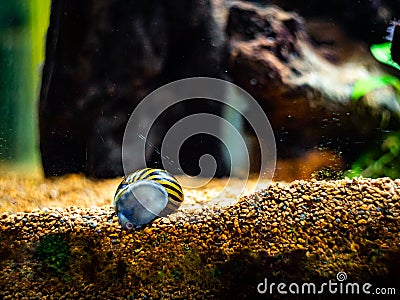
(289, 232)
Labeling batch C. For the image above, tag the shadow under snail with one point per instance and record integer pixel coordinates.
(146, 194)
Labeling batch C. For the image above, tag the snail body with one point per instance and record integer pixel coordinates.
(145, 194)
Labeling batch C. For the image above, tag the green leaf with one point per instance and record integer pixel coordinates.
(366, 85)
(381, 52)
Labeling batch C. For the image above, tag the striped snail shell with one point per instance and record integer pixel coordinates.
(146, 194)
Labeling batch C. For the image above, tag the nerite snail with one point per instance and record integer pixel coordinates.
(146, 194)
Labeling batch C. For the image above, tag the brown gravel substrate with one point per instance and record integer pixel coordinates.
(305, 231)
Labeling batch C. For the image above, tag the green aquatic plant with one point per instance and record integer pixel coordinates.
(366, 85)
(382, 160)
(54, 251)
(381, 52)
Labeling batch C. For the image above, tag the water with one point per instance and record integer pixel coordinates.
(287, 209)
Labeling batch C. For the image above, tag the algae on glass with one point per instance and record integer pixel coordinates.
(23, 26)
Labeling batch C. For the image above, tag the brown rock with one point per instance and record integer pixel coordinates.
(305, 93)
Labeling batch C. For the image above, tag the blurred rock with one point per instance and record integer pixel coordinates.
(305, 88)
(365, 20)
(102, 59)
